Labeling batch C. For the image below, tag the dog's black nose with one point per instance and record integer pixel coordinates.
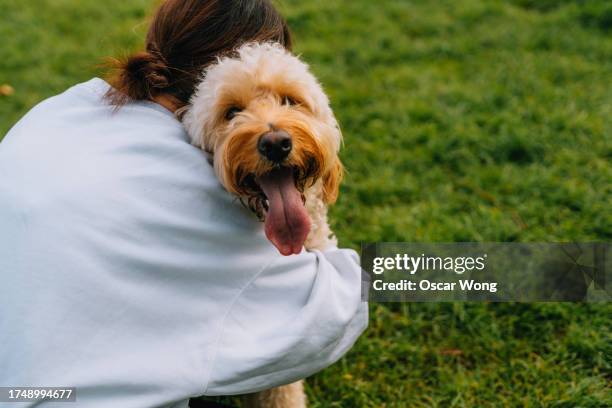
(275, 145)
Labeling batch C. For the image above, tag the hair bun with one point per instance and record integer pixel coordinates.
(147, 69)
(184, 37)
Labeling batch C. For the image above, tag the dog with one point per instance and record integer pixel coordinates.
(267, 125)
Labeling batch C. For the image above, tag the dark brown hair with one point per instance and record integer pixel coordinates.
(187, 35)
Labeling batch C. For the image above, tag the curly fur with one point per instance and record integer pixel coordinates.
(273, 89)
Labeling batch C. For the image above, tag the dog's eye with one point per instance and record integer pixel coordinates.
(232, 112)
(287, 100)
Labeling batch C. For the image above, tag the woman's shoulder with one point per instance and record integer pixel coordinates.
(77, 132)
(81, 113)
(74, 153)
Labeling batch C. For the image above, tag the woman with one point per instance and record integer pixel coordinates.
(127, 271)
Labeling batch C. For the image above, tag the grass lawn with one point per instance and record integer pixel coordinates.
(464, 121)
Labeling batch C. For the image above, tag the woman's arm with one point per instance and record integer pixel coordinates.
(298, 316)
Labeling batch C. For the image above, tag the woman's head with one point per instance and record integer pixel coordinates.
(187, 35)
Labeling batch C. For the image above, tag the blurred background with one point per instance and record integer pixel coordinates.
(463, 120)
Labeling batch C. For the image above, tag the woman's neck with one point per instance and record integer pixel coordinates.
(167, 101)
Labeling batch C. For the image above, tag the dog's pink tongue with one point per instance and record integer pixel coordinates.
(287, 222)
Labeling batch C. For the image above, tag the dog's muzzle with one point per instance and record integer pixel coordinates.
(275, 145)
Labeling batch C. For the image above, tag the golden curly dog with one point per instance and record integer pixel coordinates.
(273, 140)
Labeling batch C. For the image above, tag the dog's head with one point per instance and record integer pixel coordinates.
(267, 122)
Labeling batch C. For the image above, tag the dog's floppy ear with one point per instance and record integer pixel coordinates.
(331, 182)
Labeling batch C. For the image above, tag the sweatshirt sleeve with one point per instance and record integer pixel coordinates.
(296, 317)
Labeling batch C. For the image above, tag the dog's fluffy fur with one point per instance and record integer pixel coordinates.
(273, 90)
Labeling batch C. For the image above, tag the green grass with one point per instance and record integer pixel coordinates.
(464, 121)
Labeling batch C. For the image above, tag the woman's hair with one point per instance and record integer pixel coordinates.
(187, 35)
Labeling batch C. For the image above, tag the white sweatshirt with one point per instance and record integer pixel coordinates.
(128, 272)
